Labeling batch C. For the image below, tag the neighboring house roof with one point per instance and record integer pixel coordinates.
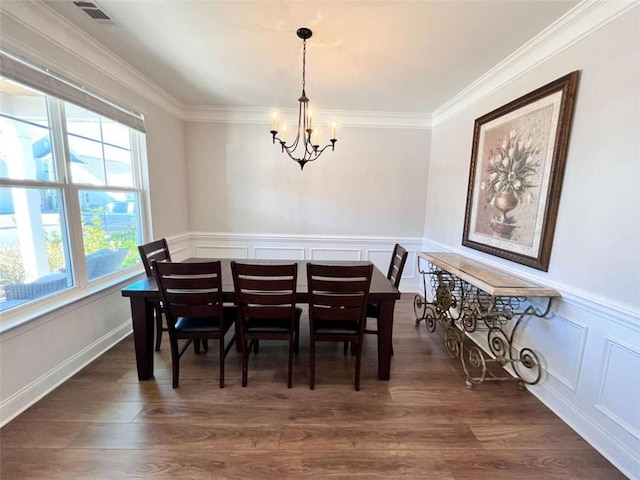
(42, 147)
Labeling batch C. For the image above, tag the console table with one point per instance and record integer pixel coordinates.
(469, 299)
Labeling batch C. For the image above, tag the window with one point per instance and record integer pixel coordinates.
(70, 190)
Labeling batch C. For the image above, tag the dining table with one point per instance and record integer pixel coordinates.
(143, 295)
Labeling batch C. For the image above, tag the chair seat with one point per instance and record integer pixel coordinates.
(333, 327)
(206, 324)
(270, 325)
(200, 325)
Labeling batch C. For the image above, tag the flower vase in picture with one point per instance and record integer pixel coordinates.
(513, 164)
(502, 224)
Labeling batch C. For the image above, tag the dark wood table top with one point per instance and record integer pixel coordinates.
(381, 288)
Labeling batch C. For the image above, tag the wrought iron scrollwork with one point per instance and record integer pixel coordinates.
(464, 311)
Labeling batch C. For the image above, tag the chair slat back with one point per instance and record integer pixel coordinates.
(338, 292)
(189, 289)
(157, 251)
(396, 266)
(265, 291)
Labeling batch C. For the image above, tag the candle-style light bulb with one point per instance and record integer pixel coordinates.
(274, 116)
(334, 126)
(284, 131)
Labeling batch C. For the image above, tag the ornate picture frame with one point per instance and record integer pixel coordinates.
(517, 163)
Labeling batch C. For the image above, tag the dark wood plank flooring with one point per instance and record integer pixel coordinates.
(104, 424)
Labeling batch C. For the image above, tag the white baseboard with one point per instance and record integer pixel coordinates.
(17, 403)
(578, 333)
(626, 460)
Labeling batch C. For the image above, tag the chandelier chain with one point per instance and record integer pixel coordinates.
(310, 151)
(304, 61)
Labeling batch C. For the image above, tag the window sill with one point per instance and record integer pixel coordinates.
(67, 300)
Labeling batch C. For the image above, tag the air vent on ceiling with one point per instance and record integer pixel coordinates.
(94, 11)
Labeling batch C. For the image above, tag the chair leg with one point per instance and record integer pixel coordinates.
(345, 348)
(175, 362)
(222, 355)
(292, 347)
(245, 363)
(205, 345)
(297, 333)
(312, 374)
(158, 314)
(196, 346)
(358, 361)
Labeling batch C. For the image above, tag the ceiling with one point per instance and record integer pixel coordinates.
(376, 56)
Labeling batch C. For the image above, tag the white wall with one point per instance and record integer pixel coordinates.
(38, 355)
(591, 345)
(373, 184)
(238, 195)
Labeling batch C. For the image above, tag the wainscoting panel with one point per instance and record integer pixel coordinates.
(378, 250)
(324, 254)
(279, 253)
(563, 342)
(591, 366)
(221, 251)
(379, 257)
(620, 382)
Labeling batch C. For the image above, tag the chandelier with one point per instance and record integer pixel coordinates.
(304, 147)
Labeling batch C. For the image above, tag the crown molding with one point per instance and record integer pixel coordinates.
(584, 19)
(259, 115)
(46, 22)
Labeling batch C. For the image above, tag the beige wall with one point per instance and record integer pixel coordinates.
(596, 247)
(373, 184)
(167, 174)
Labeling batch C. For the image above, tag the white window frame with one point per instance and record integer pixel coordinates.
(14, 68)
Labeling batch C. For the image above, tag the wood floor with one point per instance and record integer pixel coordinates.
(423, 423)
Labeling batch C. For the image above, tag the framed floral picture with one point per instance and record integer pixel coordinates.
(517, 163)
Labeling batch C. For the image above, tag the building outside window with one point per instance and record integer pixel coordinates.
(70, 195)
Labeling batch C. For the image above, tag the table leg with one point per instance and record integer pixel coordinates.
(385, 339)
(142, 318)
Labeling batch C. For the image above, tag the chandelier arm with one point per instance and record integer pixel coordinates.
(303, 138)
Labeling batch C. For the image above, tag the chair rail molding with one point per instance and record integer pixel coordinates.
(614, 311)
(589, 346)
(309, 247)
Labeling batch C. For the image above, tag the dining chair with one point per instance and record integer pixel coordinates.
(192, 303)
(337, 305)
(266, 301)
(158, 251)
(394, 275)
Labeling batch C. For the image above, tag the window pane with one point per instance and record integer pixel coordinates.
(100, 149)
(33, 245)
(88, 168)
(82, 122)
(111, 230)
(119, 166)
(25, 139)
(115, 133)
